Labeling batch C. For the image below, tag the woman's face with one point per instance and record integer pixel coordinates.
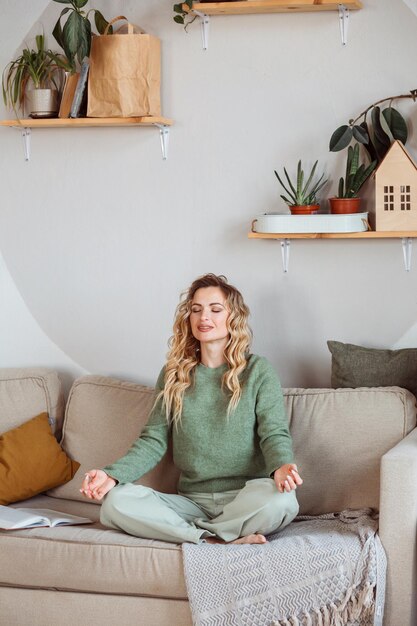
(209, 315)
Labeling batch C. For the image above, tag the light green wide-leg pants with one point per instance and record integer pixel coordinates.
(141, 511)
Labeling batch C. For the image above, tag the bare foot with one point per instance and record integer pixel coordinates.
(248, 539)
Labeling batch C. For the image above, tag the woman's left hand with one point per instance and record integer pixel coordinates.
(287, 478)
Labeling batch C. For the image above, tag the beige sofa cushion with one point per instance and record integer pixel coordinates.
(102, 419)
(27, 392)
(89, 558)
(339, 438)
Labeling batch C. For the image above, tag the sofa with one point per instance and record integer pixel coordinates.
(355, 448)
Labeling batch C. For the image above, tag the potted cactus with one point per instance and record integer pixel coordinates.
(302, 197)
(347, 200)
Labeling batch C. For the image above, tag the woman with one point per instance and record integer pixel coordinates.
(224, 409)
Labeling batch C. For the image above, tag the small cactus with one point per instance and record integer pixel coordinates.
(301, 194)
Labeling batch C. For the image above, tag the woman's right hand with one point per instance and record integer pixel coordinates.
(96, 484)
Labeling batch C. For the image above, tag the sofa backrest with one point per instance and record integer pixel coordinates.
(28, 392)
(103, 417)
(339, 436)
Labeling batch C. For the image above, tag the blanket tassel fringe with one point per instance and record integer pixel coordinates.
(357, 604)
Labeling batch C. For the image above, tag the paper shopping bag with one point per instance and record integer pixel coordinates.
(125, 74)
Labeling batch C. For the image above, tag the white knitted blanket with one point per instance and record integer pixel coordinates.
(318, 571)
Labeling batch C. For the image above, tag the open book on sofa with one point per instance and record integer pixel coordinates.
(14, 519)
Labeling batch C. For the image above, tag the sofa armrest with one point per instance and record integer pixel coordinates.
(398, 528)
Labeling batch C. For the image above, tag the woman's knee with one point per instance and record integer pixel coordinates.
(112, 501)
(279, 511)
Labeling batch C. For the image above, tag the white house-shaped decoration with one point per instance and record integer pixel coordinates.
(396, 191)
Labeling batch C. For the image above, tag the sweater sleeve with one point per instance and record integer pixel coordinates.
(274, 435)
(149, 447)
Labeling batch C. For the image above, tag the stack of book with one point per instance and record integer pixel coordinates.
(74, 93)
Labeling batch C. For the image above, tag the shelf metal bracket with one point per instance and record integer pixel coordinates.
(407, 244)
(285, 253)
(26, 142)
(205, 24)
(343, 23)
(164, 134)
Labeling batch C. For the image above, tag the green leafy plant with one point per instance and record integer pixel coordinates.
(75, 36)
(182, 16)
(377, 133)
(37, 67)
(300, 193)
(356, 175)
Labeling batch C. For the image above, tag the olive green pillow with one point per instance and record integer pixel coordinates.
(356, 366)
(32, 461)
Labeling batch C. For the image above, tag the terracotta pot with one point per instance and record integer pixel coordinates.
(308, 209)
(344, 205)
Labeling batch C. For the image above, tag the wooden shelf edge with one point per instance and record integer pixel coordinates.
(271, 6)
(362, 235)
(83, 122)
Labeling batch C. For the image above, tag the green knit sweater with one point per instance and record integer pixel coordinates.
(215, 452)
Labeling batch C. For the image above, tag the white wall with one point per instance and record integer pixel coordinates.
(100, 235)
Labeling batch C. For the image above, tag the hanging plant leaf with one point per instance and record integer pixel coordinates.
(84, 41)
(369, 146)
(382, 141)
(57, 32)
(396, 124)
(101, 23)
(341, 138)
(360, 134)
(386, 128)
(71, 31)
(80, 3)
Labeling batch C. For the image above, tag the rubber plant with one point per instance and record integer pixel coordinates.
(75, 36)
(375, 128)
(300, 193)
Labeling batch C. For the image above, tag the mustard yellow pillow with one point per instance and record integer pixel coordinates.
(32, 461)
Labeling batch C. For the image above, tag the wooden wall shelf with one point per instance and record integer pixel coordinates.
(369, 234)
(25, 125)
(245, 7)
(405, 236)
(271, 6)
(82, 122)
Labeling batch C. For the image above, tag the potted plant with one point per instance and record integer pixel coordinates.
(375, 128)
(183, 11)
(32, 81)
(302, 197)
(347, 200)
(75, 36)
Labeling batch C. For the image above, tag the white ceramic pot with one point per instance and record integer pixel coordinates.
(42, 102)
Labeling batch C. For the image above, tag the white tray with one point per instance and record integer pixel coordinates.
(319, 223)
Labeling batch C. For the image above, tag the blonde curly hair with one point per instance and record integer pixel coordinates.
(184, 350)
